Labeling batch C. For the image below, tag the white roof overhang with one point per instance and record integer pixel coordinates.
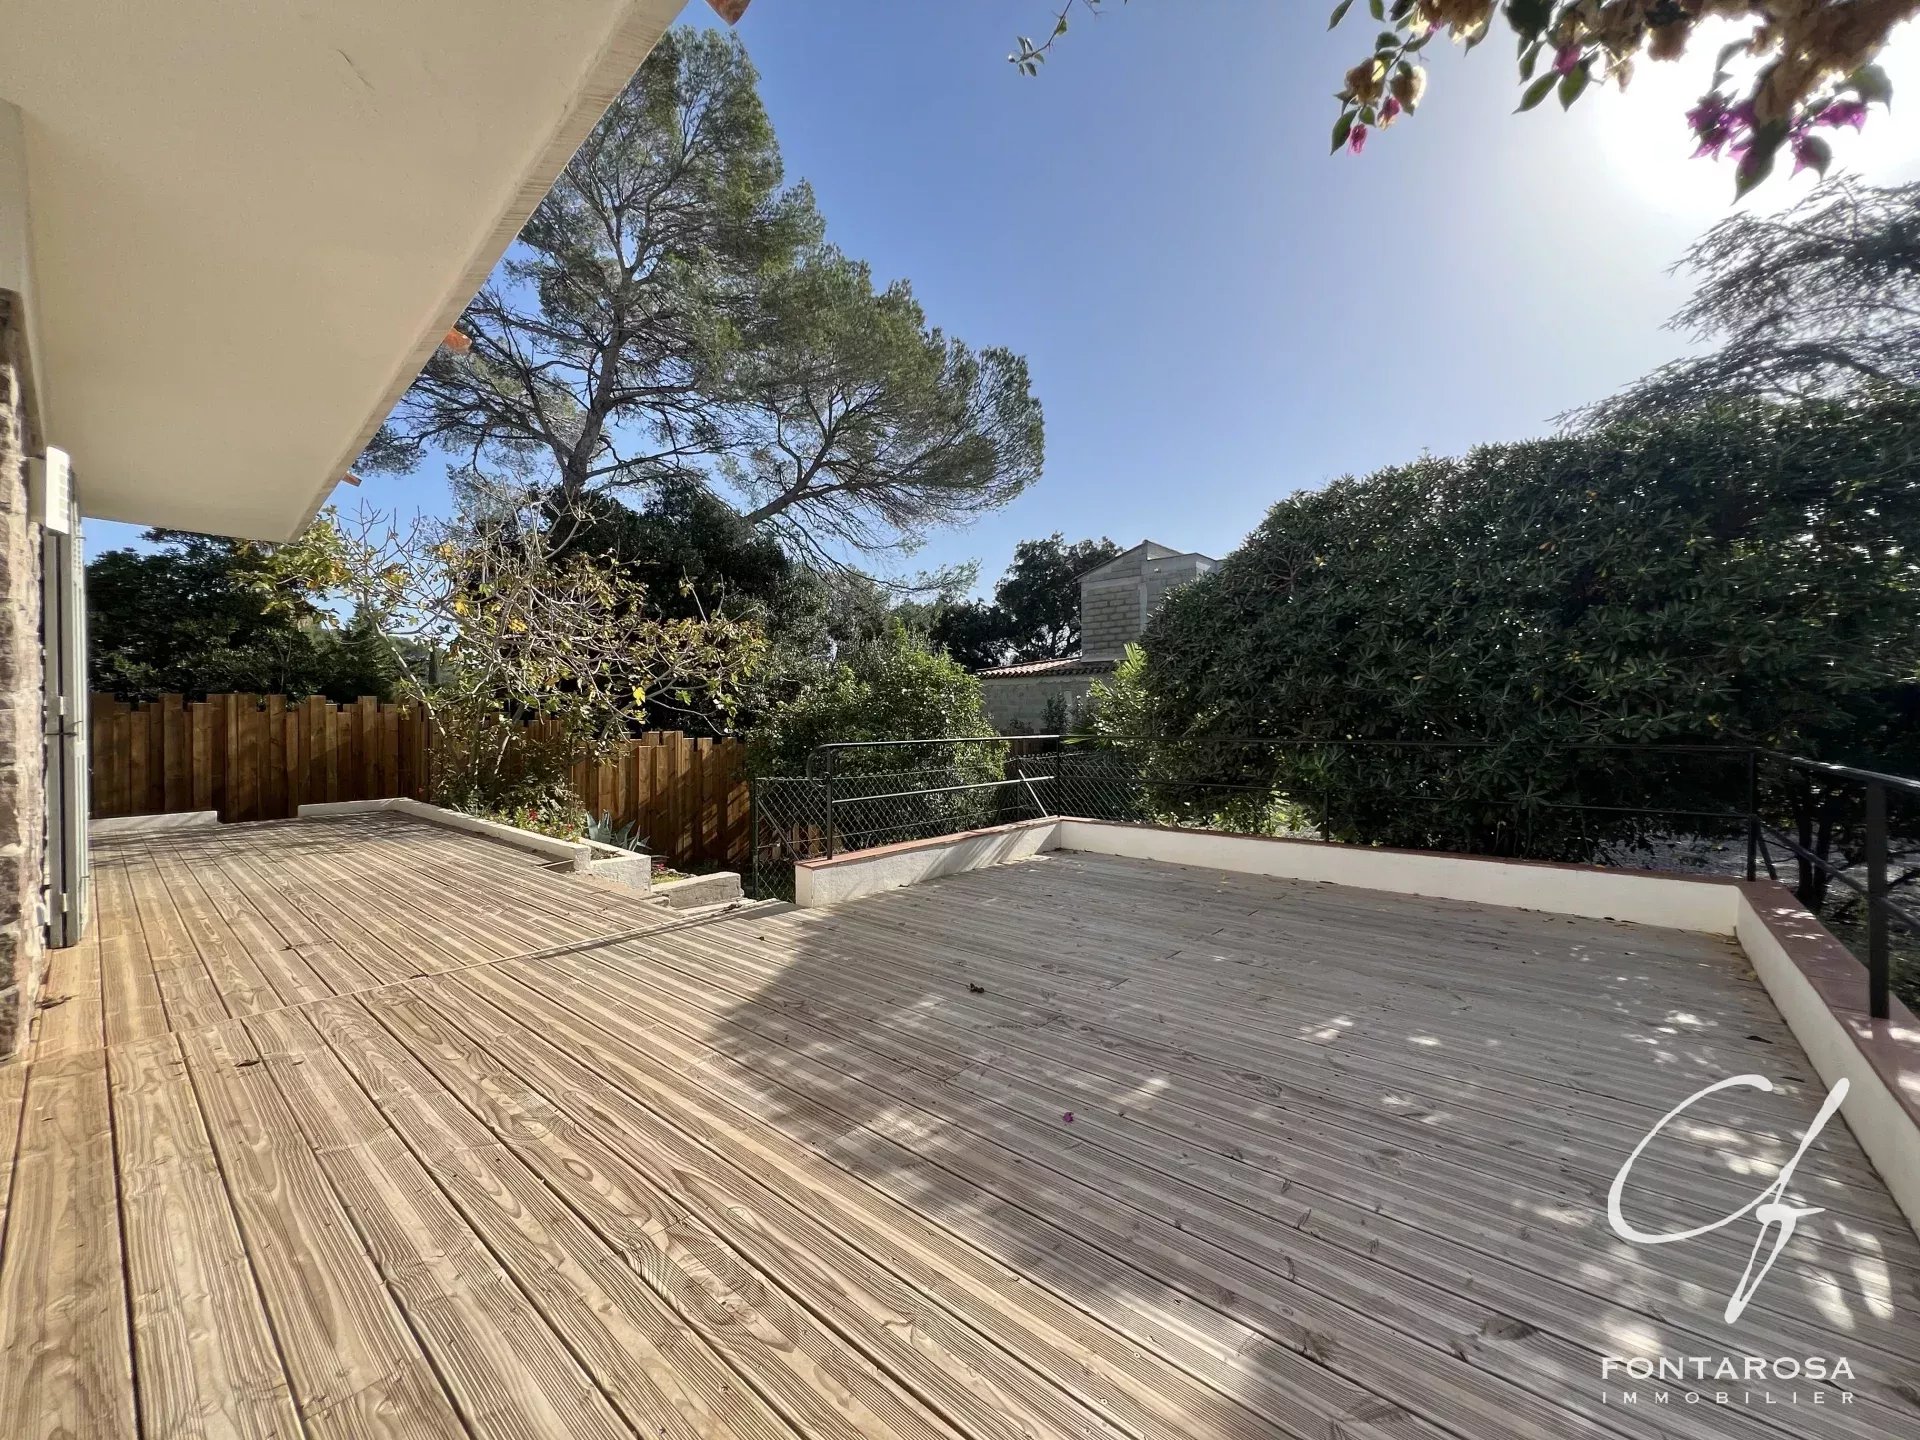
(249, 224)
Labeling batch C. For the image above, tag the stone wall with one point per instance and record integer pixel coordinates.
(23, 810)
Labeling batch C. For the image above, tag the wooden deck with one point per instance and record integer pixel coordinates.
(365, 1128)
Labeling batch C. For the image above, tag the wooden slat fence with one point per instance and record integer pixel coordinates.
(261, 757)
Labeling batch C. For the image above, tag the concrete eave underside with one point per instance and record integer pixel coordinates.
(250, 225)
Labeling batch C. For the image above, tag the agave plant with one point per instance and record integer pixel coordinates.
(602, 830)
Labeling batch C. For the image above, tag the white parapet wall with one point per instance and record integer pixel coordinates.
(1676, 902)
(155, 824)
(893, 867)
(1820, 990)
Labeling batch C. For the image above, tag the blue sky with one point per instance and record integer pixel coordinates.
(1216, 313)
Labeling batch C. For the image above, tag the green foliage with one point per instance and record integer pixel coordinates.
(892, 689)
(559, 816)
(1035, 614)
(973, 632)
(603, 829)
(541, 654)
(363, 658)
(1821, 299)
(691, 552)
(1119, 767)
(488, 761)
(1742, 574)
(671, 315)
(1040, 594)
(693, 558)
(860, 426)
(203, 614)
(1120, 706)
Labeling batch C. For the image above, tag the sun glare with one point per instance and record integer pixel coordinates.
(1646, 142)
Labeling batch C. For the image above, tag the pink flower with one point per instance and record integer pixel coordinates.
(1356, 142)
(1068, 1117)
(1710, 112)
(1810, 153)
(1716, 126)
(1566, 60)
(1389, 111)
(1844, 112)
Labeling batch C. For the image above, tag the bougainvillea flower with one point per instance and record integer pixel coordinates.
(1357, 139)
(1567, 59)
(1715, 124)
(1709, 113)
(1844, 112)
(1810, 152)
(1389, 112)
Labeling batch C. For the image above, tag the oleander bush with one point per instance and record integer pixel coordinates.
(1743, 574)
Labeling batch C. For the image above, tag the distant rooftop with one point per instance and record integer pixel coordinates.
(1071, 665)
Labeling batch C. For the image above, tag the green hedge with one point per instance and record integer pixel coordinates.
(1749, 573)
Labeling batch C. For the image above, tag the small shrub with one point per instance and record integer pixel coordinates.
(892, 689)
(563, 821)
(603, 830)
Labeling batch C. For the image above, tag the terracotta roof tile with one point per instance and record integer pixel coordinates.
(1071, 665)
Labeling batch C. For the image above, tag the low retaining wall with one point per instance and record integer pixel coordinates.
(154, 824)
(1675, 902)
(579, 853)
(892, 867)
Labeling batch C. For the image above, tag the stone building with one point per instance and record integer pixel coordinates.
(1115, 601)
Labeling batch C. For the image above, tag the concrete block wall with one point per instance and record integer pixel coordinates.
(1117, 599)
(1017, 704)
(1159, 579)
(1109, 616)
(23, 808)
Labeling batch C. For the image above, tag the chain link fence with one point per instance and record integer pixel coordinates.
(1220, 791)
(1429, 796)
(814, 817)
(789, 824)
(1605, 804)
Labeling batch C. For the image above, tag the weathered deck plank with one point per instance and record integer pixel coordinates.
(65, 1368)
(397, 1132)
(207, 1360)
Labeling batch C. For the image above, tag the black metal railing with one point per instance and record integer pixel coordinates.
(1845, 816)
(1660, 806)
